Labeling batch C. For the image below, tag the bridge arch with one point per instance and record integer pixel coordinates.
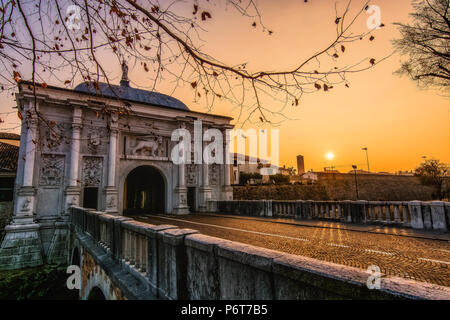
(96, 294)
(145, 190)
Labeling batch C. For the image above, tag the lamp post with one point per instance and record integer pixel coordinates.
(367, 157)
(356, 181)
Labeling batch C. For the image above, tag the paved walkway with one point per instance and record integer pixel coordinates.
(422, 256)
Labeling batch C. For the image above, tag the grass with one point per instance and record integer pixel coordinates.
(46, 282)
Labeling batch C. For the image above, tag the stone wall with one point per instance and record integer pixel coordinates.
(342, 187)
(6, 209)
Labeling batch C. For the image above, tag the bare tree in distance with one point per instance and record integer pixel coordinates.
(427, 43)
(435, 173)
(41, 43)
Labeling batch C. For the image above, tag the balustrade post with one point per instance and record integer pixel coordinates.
(380, 212)
(338, 212)
(396, 212)
(144, 254)
(405, 208)
(388, 212)
(438, 216)
(415, 210)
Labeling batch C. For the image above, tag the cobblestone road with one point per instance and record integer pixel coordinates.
(404, 254)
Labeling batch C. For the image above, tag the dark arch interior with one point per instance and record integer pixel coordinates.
(144, 191)
(96, 294)
(76, 257)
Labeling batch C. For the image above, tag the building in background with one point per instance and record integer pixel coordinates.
(251, 165)
(300, 164)
(9, 153)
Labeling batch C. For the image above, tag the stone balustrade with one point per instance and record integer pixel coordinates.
(434, 215)
(135, 260)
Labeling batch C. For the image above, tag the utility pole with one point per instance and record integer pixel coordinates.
(367, 157)
(356, 181)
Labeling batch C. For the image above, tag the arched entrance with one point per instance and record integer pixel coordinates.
(143, 191)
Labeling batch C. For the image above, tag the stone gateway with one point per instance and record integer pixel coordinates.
(87, 151)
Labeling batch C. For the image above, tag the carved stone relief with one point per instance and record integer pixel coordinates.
(92, 171)
(93, 139)
(151, 146)
(54, 136)
(191, 175)
(214, 175)
(52, 170)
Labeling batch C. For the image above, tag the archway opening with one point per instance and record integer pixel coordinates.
(96, 294)
(144, 191)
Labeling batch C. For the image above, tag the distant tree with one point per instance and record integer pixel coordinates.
(427, 42)
(245, 178)
(279, 179)
(433, 172)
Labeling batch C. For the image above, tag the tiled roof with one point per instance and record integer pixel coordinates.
(8, 157)
(10, 136)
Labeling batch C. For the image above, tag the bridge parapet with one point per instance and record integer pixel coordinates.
(127, 259)
(433, 215)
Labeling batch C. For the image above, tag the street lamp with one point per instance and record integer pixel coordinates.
(356, 181)
(367, 157)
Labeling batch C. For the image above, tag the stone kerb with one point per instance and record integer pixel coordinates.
(447, 214)
(172, 263)
(415, 209)
(438, 216)
(202, 272)
(426, 215)
(245, 271)
(152, 232)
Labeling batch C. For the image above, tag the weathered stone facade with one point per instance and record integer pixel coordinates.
(83, 156)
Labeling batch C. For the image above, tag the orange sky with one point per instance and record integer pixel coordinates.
(393, 118)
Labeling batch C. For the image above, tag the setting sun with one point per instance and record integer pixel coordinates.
(330, 155)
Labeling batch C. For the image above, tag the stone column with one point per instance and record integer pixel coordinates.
(227, 190)
(73, 191)
(180, 192)
(111, 193)
(205, 190)
(22, 235)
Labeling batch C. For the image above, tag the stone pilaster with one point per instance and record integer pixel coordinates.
(227, 189)
(73, 190)
(21, 246)
(111, 193)
(180, 192)
(205, 189)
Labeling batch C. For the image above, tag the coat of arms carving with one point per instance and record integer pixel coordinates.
(92, 171)
(93, 139)
(52, 170)
(214, 174)
(191, 175)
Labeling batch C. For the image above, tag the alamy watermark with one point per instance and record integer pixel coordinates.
(73, 13)
(74, 280)
(374, 280)
(374, 21)
(218, 146)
